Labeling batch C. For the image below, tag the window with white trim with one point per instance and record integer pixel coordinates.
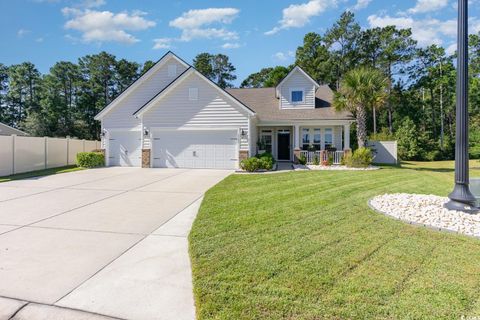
(297, 95)
(328, 138)
(305, 138)
(172, 70)
(311, 139)
(192, 94)
(316, 139)
(266, 140)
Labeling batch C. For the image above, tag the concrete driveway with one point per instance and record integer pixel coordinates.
(109, 241)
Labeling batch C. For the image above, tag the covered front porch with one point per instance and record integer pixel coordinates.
(316, 141)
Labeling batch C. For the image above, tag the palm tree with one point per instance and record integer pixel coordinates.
(361, 89)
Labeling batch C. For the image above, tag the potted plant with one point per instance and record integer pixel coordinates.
(262, 146)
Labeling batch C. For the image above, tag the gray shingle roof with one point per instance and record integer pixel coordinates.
(266, 105)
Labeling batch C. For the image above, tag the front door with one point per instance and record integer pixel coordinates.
(283, 152)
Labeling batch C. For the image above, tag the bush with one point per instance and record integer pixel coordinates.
(383, 135)
(90, 159)
(361, 158)
(263, 161)
(316, 160)
(266, 161)
(250, 164)
(346, 159)
(330, 160)
(302, 159)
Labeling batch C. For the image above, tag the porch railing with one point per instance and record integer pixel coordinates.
(322, 156)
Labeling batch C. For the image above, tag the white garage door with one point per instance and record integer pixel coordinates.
(195, 149)
(125, 149)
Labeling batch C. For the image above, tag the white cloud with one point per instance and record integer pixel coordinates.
(283, 56)
(231, 45)
(426, 31)
(93, 3)
(195, 24)
(40, 39)
(106, 26)
(451, 49)
(298, 15)
(361, 4)
(162, 43)
(22, 32)
(423, 6)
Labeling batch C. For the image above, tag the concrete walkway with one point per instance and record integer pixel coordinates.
(100, 243)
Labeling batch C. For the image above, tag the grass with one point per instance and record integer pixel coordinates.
(305, 245)
(39, 173)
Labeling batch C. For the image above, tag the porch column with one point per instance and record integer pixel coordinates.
(346, 137)
(296, 143)
(296, 137)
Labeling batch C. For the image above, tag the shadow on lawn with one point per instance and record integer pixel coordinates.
(417, 167)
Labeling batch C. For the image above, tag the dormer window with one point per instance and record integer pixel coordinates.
(297, 96)
(172, 70)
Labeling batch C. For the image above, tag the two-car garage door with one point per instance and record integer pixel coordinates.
(216, 149)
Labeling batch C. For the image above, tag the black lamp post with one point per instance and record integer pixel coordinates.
(461, 198)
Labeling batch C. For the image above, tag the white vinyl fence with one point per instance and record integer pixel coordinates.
(385, 152)
(22, 154)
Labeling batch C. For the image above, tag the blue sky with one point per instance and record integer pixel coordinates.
(254, 33)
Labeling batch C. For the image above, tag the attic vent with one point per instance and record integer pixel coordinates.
(193, 94)
(172, 70)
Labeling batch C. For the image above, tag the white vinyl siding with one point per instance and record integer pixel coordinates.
(193, 94)
(172, 70)
(297, 81)
(212, 110)
(122, 115)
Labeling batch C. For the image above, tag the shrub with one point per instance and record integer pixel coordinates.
(302, 159)
(330, 160)
(346, 159)
(266, 155)
(266, 161)
(361, 158)
(90, 159)
(316, 160)
(250, 164)
(383, 135)
(260, 161)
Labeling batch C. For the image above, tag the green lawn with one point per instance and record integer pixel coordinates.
(39, 173)
(305, 245)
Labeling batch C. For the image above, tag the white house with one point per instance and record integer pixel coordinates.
(173, 116)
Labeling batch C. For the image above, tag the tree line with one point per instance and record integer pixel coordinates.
(65, 101)
(418, 110)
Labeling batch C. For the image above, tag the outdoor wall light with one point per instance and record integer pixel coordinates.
(146, 132)
(104, 132)
(243, 134)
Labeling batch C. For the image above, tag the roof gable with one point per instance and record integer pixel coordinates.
(135, 84)
(295, 70)
(191, 70)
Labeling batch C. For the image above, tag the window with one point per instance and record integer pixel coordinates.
(316, 139)
(172, 70)
(266, 140)
(305, 138)
(297, 95)
(193, 94)
(328, 138)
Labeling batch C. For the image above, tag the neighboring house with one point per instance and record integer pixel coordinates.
(173, 116)
(8, 131)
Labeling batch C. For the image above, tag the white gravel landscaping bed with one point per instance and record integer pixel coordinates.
(426, 210)
(334, 167)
